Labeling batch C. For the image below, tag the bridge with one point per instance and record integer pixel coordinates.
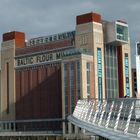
(112, 119)
(35, 129)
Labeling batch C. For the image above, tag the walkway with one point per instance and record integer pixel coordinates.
(112, 119)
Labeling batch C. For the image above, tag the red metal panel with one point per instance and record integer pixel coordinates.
(59, 92)
(18, 90)
(40, 93)
(120, 72)
(27, 96)
(18, 36)
(34, 94)
(89, 17)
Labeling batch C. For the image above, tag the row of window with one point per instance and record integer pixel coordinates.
(111, 73)
(111, 94)
(72, 82)
(111, 65)
(122, 32)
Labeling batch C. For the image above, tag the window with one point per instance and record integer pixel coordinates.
(111, 66)
(134, 74)
(138, 48)
(99, 69)
(78, 79)
(122, 32)
(84, 39)
(88, 78)
(127, 74)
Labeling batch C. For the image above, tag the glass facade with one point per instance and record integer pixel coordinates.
(71, 85)
(122, 32)
(78, 79)
(127, 75)
(138, 48)
(111, 68)
(99, 67)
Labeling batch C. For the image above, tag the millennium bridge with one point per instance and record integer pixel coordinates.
(117, 119)
(112, 119)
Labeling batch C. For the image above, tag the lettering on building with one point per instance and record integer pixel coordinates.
(45, 57)
(48, 39)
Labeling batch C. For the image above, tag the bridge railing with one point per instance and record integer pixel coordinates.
(119, 115)
(42, 125)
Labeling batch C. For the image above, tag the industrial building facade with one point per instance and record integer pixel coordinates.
(44, 77)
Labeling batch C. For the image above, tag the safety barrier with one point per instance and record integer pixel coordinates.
(119, 116)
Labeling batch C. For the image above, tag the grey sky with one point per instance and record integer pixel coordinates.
(44, 17)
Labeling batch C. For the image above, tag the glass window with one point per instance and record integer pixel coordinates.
(134, 74)
(111, 67)
(99, 70)
(88, 78)
(88, 66)
(72, 82)
(50, 38)
(66, 110)
(78, 79)
(72, 66)
(127, 74)
(138, 48)
(122, 32)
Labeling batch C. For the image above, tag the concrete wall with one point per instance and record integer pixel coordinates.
(8, 83)
(90, 35)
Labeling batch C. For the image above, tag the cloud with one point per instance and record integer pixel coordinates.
(43, 17)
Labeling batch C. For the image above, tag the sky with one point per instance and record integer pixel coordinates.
(44, 17)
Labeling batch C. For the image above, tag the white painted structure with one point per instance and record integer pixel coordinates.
(112, 119)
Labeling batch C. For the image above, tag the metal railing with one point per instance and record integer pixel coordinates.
(50, 126)
(121, 115)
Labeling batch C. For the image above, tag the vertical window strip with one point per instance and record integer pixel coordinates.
(78, 79)
(7, 79)
(99, 70)
(111, 71)
(88, 78)
(127, 75)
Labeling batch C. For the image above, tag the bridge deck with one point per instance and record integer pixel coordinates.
(117, 119)
(101, 131)
(37, 133)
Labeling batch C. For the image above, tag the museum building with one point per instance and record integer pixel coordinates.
(42, 78)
